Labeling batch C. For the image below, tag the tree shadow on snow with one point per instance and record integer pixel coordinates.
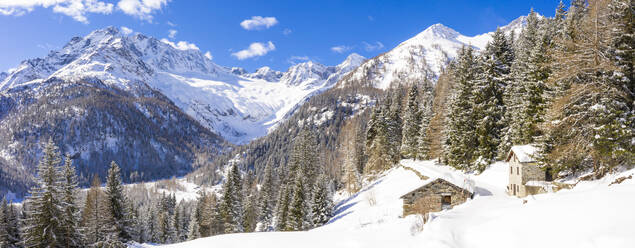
(346, 204)
(337, 217)
(482, 191)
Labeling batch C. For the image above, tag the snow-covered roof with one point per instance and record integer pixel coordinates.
(468, 187)
(524, 153)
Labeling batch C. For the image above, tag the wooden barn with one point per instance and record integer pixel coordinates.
(433, 197)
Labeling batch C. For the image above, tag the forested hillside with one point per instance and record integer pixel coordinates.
(563, 84)
(96, 124)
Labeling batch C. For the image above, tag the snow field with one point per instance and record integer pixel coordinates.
(592, 214)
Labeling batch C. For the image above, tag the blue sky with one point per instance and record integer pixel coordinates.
(288, 32)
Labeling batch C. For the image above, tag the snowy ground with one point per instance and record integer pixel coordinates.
(592, 214)
(182, 189)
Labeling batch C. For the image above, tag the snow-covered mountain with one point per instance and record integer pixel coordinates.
(421, 57)
(235, 104)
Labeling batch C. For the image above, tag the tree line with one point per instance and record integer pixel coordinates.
(563, 84)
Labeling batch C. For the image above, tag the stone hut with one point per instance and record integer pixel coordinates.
(524, 173)
(434, 197)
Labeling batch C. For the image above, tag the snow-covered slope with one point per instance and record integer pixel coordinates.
(421, 57)
(593, 214)
(237, 105)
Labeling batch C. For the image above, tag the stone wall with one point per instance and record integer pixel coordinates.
(531, 172)
(428, 198)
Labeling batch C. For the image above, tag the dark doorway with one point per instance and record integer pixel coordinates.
(548, 175)
(446, 200)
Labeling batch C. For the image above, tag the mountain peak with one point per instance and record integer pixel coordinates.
(107, 31)
(441, 31)
(267, 74)
(352, 59)
(355, 57)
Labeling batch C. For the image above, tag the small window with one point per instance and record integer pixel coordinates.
(446, 200)
(517, 170)
(511, 170)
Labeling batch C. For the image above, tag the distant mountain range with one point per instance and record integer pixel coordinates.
(237, 105)
(161, 110)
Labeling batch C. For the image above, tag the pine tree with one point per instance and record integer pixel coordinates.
(526, 95)
(152, 224)
(461, 137)
(377, 143)
(423, 140)
(394, 124)
(43, 226)
(4, 230)
(194, 227)
(622, 41)
(282, 208)
(304, 156)
(411, 125)
(297, 219)
(176, 220)
(494, 71)
(250, 208)
(231, 208)
(70, 210)
(116, 203)
(136, 224)
(322, 205)
(203, 216)
(266, 199)
(12, 225)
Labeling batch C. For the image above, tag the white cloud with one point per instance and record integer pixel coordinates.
(340, 49)
(259, 22)
(297, 59)
(181, 45)
(172, 33)
(142, 9)
(171, 24)
(373, 46)
(256, 49)
(126, 30)
(287, 31)
(76, 9)
(208, 55)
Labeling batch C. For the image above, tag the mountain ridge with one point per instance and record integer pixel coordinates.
(237, 105)
(421, 57)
